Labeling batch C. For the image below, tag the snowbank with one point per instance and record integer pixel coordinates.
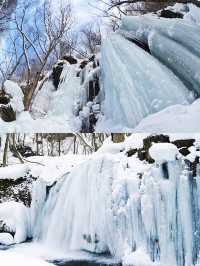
(6, 239)
(174, 119)
(138, 258)
(51, 124)
(163, 152)
(16, 217)
(15, 92)
(9, 258)
(14, 171)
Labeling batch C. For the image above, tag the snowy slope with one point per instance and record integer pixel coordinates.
(174, 119)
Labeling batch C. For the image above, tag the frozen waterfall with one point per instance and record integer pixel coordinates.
(175, 42)
(136, 83)
(104, 205)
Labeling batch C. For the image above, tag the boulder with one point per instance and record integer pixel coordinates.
(70, 59)
(56, 74)
(166, 13)
(7, 113)
(4, 228)
(17, 190)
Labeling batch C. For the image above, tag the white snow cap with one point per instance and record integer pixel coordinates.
(163, 152)
(15, 215)
(16, 94)
(6, 239)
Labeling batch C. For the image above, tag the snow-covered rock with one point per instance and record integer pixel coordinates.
(16, 183)
(6, 239)
(163, 152)
(16, 95)
(16, 217)
(14, 171)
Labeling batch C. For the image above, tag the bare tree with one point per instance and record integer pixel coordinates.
(6, 9)
(91, 37)
(33, 45)
(115, 9)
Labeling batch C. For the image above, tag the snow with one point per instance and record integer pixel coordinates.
(110, 147)
(9, 258)
(6, 239)
(173, 119)
(13, 171)
(43, 100)
(138, 258)
(15, 92)
(56, 167)
(15, 215)
(55, 107)
(26, 124)
(163, 152)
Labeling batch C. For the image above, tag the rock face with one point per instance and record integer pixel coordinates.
(56, 73)
(16, 190)
(7, 113)
(6, 229)
(170, 14)
(183, 146)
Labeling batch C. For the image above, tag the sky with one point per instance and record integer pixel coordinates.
(84, 12)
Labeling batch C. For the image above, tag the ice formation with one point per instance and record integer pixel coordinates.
(123, 206)
(179, 36)
(141, 88)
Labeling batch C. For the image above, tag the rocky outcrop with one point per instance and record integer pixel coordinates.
(183, 146)
(17, 190)
(25, 151)
(165, 13)
(7, 113)
(4, 228)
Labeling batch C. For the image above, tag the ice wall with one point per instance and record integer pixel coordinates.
(135, 83)
(175, 42)
(110, 204)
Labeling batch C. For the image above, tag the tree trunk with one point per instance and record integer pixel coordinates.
(15, 151)
(118, 137)
(5, 153)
